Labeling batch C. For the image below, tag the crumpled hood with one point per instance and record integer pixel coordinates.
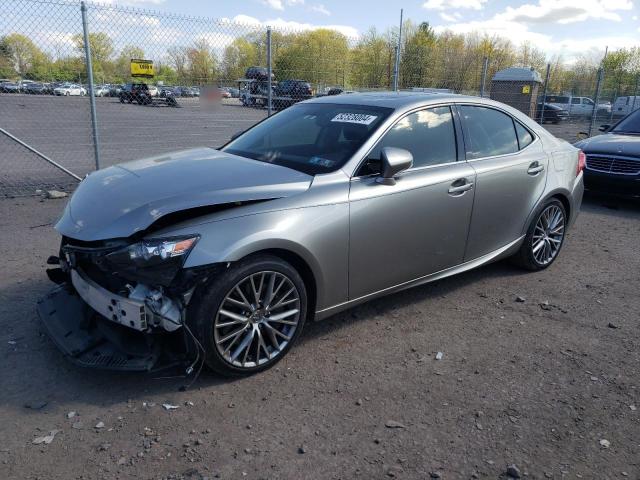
(612, 144)
(122, 200)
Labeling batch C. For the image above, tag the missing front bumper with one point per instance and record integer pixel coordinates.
(91, 341)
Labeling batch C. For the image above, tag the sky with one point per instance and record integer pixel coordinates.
(568, 27)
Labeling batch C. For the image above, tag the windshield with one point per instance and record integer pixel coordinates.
(313, 138)
(630, 124)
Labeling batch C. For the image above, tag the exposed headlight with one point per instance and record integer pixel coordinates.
(149, 250)
(153, 261)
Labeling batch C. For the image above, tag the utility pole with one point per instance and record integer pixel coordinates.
(396, 68)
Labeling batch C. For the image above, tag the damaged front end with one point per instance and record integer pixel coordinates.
(121, 304)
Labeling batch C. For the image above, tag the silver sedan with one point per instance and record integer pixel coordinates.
(219, 256)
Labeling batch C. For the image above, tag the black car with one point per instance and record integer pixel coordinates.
(135, 92)
(258, 73)
(10, 87)
(613, 159)
(291, 91)
(552, 113)
(35, 88)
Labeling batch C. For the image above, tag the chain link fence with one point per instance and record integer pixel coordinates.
(215, 77)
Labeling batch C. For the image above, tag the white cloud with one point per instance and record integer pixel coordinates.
(320, 8)
(451, 4)
(275, 4)
(518, 24)
(450, 17)
(290, 26)
(566, 11)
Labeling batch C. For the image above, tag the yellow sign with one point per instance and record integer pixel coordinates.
(526, 89)
(141, 68)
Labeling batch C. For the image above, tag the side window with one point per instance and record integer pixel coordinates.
(524, 135)
(489, 132)
(575, 101)
(428, 134)
(587, 101)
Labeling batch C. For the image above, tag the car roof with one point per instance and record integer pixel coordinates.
(397, 100)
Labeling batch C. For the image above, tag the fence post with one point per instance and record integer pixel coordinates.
(594, 112)
(483, 80)
(544, 93)
(635, 94)
(92, 97)
(396, 67)
(269, 91)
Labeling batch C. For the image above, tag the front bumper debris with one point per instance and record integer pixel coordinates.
(89, 340)
(125, 311)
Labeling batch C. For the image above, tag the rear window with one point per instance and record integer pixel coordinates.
(524, 136)
(489, 132)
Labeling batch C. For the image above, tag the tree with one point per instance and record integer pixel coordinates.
(19, 55)
(318, 56)
(241, 54)
(102, 49)
(201, 63)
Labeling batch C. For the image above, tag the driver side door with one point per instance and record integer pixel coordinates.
(418, 226)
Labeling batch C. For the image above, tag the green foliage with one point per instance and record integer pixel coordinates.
(326, 58)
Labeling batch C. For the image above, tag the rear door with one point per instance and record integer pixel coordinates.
(510, 167)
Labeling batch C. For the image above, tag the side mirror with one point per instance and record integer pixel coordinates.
(604, 128)
(394, 160)
(237, 134)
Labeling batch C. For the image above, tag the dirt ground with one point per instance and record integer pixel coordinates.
(550, 384)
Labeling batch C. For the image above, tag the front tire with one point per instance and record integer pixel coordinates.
(249, 317)
(544, 238)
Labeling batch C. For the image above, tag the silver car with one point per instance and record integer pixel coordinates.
(219, 256)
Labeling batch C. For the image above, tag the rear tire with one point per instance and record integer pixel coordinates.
(544, 238)
(242, 328)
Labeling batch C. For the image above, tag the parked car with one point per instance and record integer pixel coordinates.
(613, 159)
(35, 88)
(221, 256)
(625, 105)
(233, 92)
(258, 73)
(224, 92)
(101, 90)
(186, 92)
(68, 89)
(552, 113)
(135, 92)
(10, 87)
(577, 106)
(290, 92)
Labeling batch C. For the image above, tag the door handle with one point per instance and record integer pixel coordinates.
(535, 168)
(456, 189)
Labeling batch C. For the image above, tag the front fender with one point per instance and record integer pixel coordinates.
(319, 235)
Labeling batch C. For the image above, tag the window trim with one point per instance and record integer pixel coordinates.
(457, 131)
(513, 119)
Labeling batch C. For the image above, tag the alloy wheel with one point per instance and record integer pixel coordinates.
(548, 235)
(257, 319)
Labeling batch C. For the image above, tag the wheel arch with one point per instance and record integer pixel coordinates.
(561, 194)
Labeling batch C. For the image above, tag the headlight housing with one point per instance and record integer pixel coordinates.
(152, 261)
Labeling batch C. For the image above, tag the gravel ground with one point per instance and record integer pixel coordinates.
(550, 384)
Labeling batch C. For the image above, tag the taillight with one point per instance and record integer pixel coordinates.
(582, 161)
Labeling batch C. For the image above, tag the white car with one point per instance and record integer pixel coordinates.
(625, 105)
(101, 90)
(153, 90)
(68, 89)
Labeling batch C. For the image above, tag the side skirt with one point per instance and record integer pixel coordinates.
(502, 252)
